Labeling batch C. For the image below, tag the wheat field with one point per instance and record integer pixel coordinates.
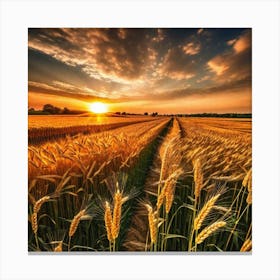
(140, 184)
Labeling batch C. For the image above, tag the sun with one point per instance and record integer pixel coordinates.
(98, 107)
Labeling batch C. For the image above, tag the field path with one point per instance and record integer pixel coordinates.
(137, 235)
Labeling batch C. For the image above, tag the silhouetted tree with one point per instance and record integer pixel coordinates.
(146, 114)
(49, 108)
(66, 110)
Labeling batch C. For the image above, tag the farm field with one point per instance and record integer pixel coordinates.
(147, 184)
(46, 128)
(55, 121)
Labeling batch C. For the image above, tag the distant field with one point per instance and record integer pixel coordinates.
(69, 120)
(50, 128)
(237, 125)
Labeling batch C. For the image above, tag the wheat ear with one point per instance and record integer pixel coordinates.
(161, 197)
(205, 211)
(39, 203)
(117, 213)
(152, 218)
(198, 178)
(208, 231)
(247, 246)
(108, 221)
(34, 222)
(75, 222)
(249, 198)
(169, 194)
(247, 181)
(58, 248)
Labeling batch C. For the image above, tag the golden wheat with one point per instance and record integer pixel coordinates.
(206, 232)
(247, 246)
(58, 248)
(198, 178)
(117, 213)
(75, 222)
(205, 211)
(152, 219)
(108, 221)
(34, 222)
(39, 203)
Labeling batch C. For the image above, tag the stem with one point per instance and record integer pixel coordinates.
(192, 232)
(248, 233)
(69, 242)
(114, 245)
(235, 225)
(166, 232)
(37, 242)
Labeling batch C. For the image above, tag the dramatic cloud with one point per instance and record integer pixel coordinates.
(177, 65)
(103, 53)
(236, 63)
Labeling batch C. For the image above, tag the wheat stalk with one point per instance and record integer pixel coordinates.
(161, 197)
(198, 178)
(40, 202)
(34, 222)
(208, 231)
(108, 221)
(152, 218)
(247, 246)
(249, 198)
(58, 248)
(247, 181)
(117, 214)
(75, 222)
(169, 194)
(205, 211)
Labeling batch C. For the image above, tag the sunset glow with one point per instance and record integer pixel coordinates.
(98, 108)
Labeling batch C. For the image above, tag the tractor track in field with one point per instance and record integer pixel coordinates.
(137, 236)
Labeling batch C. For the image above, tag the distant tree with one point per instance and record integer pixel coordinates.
(146, 114)
(49, 108)
(65, 110)
(31, 110)
(118, 113)
(123, 113)
(154, 114)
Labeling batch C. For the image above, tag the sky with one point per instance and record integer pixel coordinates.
(164, 70)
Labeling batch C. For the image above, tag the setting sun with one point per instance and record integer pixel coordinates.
(98, 107)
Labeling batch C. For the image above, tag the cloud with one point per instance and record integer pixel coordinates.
(233, 86)
(160, 36)
(191, 48)
(243, 43)
(115, 54)
(71, 91)
(235, 64)
(218, 64)
(177, 65)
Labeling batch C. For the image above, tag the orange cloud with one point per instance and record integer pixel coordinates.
(177, 65)
(243, 43)
(191, 48)
(218, 65)
(235, 64)
(117, 54)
